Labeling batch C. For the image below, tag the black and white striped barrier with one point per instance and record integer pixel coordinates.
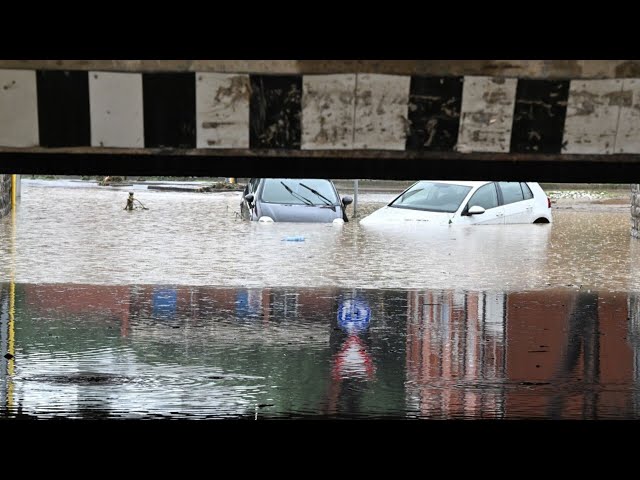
(318, 112)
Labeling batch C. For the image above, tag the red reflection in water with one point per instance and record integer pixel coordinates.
(353, 361)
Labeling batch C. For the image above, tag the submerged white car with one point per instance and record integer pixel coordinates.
(466, 203)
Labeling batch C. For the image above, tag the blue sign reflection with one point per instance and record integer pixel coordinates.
(354, 315)
(248, 304)
(164, 302)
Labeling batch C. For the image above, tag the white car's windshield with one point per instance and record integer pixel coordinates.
(432, 197)
(299, 191)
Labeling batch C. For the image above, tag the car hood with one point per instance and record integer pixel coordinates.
(387, 215)
(300, 213)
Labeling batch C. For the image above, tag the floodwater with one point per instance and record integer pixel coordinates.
(185, 311)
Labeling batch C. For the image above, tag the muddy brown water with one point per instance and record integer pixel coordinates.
(184, 311)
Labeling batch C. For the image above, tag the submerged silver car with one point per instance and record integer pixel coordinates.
(293, 200)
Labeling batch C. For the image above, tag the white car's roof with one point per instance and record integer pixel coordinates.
(459, 182)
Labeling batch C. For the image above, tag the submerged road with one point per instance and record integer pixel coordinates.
(185, 311)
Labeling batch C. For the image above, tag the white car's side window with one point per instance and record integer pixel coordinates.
(528, 194)
(511, 192)
(485, 197)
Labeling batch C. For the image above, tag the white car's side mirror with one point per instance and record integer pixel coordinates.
(476, 210)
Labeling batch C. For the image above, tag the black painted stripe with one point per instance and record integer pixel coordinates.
(169, 109)
(275, 111)
(395, 165)
(63, 108)
(434, 113)
(538, 118)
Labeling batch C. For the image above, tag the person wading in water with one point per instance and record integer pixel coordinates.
(130, 204)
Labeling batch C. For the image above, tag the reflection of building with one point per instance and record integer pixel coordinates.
(434, 354)
(455, 339)
(574, 341)
(553, 354)
(303, 310)
(235, 343)
(101, 302)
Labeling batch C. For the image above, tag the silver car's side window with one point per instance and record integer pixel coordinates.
(485, 197)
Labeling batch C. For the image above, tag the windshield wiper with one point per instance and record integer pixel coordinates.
(326, 200)
(297, 195)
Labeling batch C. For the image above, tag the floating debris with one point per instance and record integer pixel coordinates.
(293, 239)
(576, 195)
(218, 186)
(81, 378)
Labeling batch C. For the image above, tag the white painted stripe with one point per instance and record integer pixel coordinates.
(115, 102)
(222, 110)
(628, 133)
(382, 105)
(592, 116)
(486, 115)
(18, 108)
(328, 111)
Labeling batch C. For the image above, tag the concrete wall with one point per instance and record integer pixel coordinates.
(635, 210)
(5, 195)
(541, 69)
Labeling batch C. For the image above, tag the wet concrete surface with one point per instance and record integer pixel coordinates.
(184, 311)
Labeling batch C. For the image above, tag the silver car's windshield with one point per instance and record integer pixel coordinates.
(298, 191)
(432, 197)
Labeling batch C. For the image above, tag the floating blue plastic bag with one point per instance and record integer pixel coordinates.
(293, 239)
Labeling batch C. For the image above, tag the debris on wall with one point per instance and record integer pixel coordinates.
(5, 195)
(635, 210)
